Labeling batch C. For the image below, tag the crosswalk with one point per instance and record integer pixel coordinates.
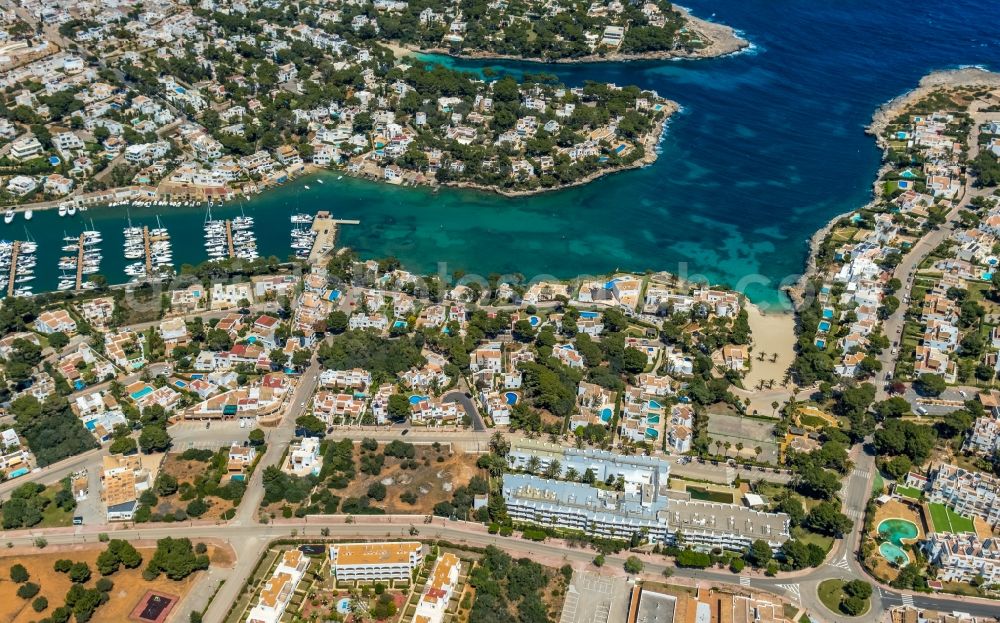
(864, 473)
(744, 580)
(793, 589)
(854, 513)
(907, 600)
(841, 563)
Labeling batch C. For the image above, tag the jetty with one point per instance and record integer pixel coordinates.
(229, 238)
(15, 250)
(325, 227)
(149, 254)
(79, 264)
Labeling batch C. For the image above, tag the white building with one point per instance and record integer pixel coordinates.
(278, 591)
(964, 557)
(370, 562)
(440, 586)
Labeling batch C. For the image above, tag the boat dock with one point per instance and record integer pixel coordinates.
(13, 267)
(325, 227)
(79, 264)
(229, 238)
(149, 255)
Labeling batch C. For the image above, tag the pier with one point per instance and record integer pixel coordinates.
(325, 227)
(13, 267)
(79, 264)
(149, 255)
(229, 238)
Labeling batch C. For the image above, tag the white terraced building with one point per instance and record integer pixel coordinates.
(370, 562)
(964, 557)
(644, 505)
(973, 494)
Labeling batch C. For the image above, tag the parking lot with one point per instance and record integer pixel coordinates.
(593, 598)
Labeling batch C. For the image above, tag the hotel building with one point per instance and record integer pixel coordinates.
(369, 562)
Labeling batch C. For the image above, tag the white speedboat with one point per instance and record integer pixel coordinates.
(306, 186)
(320, 181)
(71, 210)
(28, 214)
(8, 217)
(62, 210)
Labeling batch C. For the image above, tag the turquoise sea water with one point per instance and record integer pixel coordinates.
(769, 147)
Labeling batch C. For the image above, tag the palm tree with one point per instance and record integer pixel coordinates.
(533, 464)
(739, 447)
(758, 451)
(774, 357)
(571, 474)
(718, 447)
(728, 446)
(553, 469)
(774, 406)
(499, 444)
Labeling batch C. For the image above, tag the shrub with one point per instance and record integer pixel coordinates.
(39, 604)
(63, 565)
(19, 574)
(28, 590)
(104, 585)
(633, 565)
(534, 534)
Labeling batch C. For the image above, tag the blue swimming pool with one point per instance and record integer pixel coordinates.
(605, 415)
(90, 425)
(239, 477)
(344, 606)
(653, 419)
(398, 324)
(414, 399)
(652, 433)
(821, 344)
(534, 320)
(824, 325)
(589, 314)
(78, 385)
(987, 276)
(334, 295)
(251, 339)
(142, 392)
(511, 398)
(655, 405)
(21, 471)
(828, 312)
(180, 384)
(196, 376)
(894, 553)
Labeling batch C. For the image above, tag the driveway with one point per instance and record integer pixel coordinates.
(478, 424)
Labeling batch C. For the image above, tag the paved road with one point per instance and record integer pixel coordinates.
(459, 396)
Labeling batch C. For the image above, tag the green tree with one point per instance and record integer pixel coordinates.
(633, 565)
(19, 574)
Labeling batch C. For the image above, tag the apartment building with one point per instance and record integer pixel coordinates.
(370, 562)
(964, 557)
(124, 478)
(278, 591)
(440, 586)
(973, 494)
(639, 502)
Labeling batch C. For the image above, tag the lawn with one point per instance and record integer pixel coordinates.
(831, 593)
(698, 493)
(808, 537)
(910, 492)
(53, 516)
(947, 520)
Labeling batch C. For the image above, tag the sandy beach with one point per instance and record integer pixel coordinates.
(773, 333)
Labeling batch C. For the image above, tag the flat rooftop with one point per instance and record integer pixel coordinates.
(373, 553)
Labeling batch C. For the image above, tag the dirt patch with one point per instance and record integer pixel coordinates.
(128, 589)
(188, 472)
(433, 481)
